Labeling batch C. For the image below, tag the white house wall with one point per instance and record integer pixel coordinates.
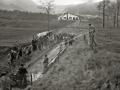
(70, 17)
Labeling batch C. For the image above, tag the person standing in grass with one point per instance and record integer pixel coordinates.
(24, 51)
(22, 72)
(91, 35)
(39, 44)
(45, 62)
(11, 57)
(85, 39)
(34, 44)
(20, 53)
(30, 48)
(60, 48)
(5, 82)
(80, 20)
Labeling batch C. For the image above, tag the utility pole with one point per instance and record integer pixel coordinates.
(67, 15)
(103, 13)
(48, 13)
(118, 8)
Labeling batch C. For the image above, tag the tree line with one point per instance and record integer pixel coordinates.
(109, 10)
(16, 14)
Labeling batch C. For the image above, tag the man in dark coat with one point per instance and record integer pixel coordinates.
(91, 34)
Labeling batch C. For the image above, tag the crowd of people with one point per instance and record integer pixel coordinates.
(19, 52)
(67, 38)
(38, 43)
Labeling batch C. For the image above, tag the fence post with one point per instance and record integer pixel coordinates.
(10, 87)
(31, 79)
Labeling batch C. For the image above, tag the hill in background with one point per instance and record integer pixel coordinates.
(10, 7)
(28, 5)
(23, 5)
(85, 8)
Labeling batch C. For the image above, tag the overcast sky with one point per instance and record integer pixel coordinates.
(60, 2)
(68, 2)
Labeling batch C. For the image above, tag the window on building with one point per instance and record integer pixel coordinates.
(73, 18)
(76, 18)
(64, 17)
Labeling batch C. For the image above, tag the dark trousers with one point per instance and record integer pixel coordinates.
(92, 41)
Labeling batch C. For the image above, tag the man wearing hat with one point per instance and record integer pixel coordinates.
(5, 82)
(22, 70)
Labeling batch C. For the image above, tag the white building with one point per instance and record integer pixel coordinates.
(68, 17)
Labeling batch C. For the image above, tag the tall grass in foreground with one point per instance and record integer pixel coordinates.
(106, 67)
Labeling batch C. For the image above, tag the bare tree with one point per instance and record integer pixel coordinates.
(99, 7)
(47, 6)
(102, 7)
(112, 12)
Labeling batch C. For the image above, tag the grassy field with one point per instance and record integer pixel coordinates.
(25, 30)
(80, 68)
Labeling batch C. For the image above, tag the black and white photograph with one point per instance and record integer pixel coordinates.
(59, 44)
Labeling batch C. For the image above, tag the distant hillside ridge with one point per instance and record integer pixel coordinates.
(85, 8)
(10, 7)
(23, 5)
(88, 8)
